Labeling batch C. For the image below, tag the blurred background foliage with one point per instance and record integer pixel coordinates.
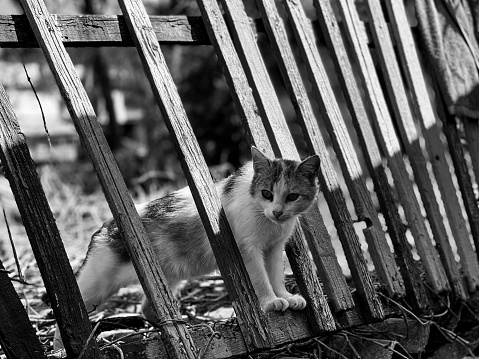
(122, 98)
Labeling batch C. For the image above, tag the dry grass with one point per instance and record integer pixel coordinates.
(78, 215)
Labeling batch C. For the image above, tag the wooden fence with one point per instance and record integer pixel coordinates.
(384, 123)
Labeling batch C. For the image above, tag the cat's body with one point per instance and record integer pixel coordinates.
(262, 201)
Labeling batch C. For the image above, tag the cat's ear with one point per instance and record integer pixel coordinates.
(310, 165)
(260, 161)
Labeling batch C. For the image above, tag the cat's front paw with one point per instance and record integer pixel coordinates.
(275, 304)
(296, 302)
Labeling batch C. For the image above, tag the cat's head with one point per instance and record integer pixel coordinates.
(284, 188)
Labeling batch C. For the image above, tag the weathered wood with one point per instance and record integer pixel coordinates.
(349, 162)
(383, 259)
(246, 304)
(146, 264)
(318, 238)
(44, 237)
(224, 339)
(454, 142)
(102, 30)
(17, 336)
(281, 139)
(389, 143)
(410, 137)
(431, 133)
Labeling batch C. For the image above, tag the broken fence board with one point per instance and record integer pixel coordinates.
(43, 235)
(139, 247)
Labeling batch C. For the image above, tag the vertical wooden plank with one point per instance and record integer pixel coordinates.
(47, 246)
(389, 143)
(263, 91)
(409, 135)
(174, 332)
(412, 69)
(319, 240)
(246, 304)
(17, 336)
(346, 154)
(334, 40)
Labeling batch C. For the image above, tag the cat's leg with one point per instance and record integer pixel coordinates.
(255, 266)
(275, 268)
(146, 308)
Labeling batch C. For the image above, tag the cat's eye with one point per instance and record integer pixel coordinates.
(292, 197)
(267, 195)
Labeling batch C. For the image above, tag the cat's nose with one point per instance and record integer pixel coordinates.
(277, 214)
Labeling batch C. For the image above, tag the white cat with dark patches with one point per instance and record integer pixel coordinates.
(262, 201)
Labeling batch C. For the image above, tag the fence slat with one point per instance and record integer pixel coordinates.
(275, 123)
(409, 135)
(380, 251)
(43, 235)
(349, 162)
(319, 240)
(246, 304)
(102, 30)
(412, 68)
(19, 339)
(460, 165)
(390, 146)
(139, 247)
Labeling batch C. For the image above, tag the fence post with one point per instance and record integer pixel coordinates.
(44, 236)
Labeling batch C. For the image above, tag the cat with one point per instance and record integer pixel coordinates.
(262, 201)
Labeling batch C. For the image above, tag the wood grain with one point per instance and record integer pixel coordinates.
(410, 139)
(246, 304)
(346, 155)
(281, 139)
(389, 143)
(146, 264)
(318, 238)
(102, 30)
(435, 148)
(44, 238)
(383, 259)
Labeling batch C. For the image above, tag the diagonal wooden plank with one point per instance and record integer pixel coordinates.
(389, 143)
(246, 304)
(275, 123)
(319, 240)
(383, 259)
(408, 133)
(431, 133)
(146, 264)
(342, 144)
(44, 236)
